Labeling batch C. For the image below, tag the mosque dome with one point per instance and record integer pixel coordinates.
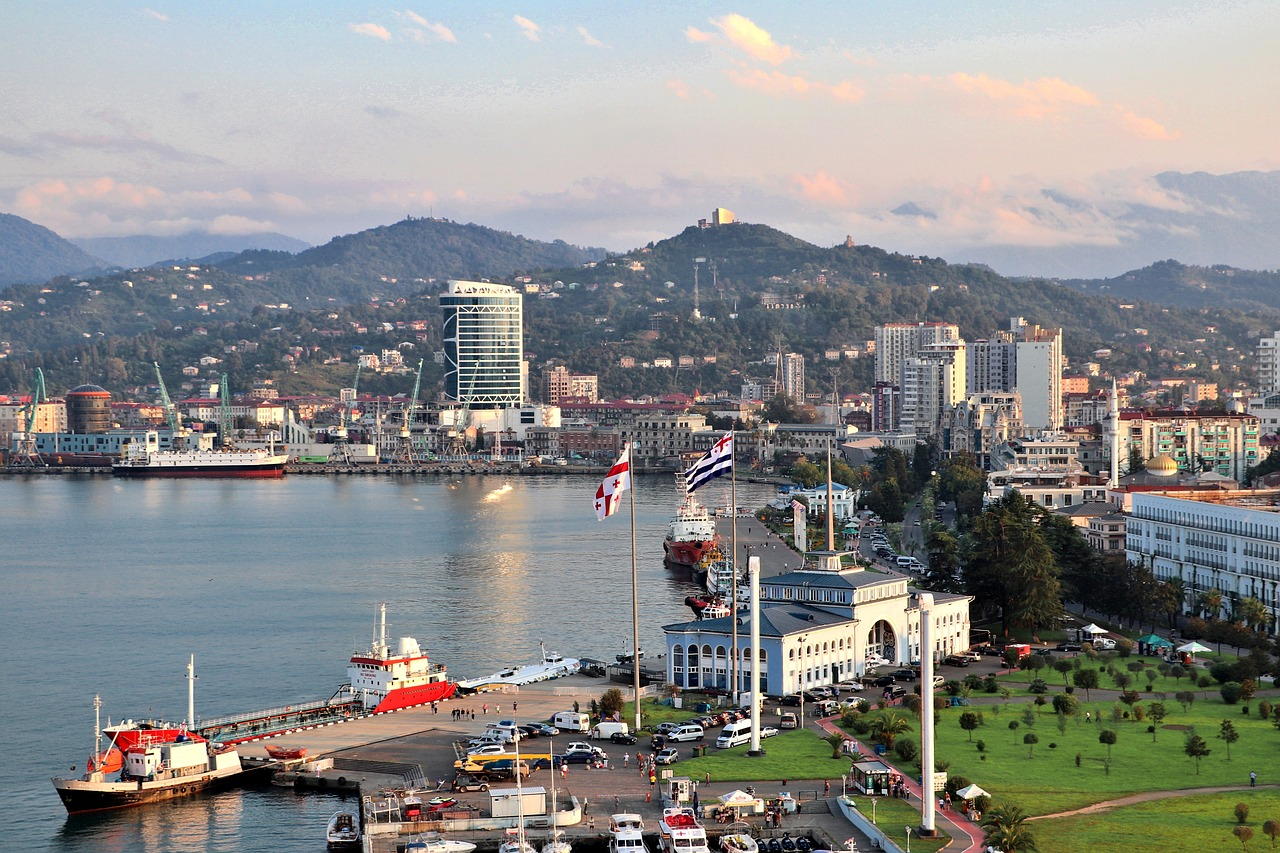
(1162, 465)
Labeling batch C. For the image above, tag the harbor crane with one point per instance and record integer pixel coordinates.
(25, 454)
(404, 450)
(341, 445)
(171, 414)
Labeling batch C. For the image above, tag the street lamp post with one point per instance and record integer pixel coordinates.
(908, 831)
(873, 809)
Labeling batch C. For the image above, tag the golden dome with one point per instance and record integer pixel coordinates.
(1162, 465)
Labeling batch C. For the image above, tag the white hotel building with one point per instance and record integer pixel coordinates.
(1229, 541)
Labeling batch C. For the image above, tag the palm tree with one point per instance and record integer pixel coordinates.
(1007, 831)
(886, 727)
(1211, 603)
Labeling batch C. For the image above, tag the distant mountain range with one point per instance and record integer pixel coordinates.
(33, 253)
(1196, 218)
(144, 250)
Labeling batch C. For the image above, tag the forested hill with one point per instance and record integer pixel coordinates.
(1172, 283)
(33, 253)
(759, 290)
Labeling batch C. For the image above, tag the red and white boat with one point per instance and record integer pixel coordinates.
(286, 753)
(692, 532)
(383, 681)
(680, 832)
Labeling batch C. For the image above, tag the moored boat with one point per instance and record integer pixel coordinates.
(286, 753)
(626, 834)
(343, 832)
(434, 842)
(552, 665)
(680, 832)
(738, 842)
(383, 681)
(144, 460)
(691, 533)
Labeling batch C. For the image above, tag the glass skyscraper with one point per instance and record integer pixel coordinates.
(483, 344)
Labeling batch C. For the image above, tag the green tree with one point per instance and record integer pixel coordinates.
(1156, 713)
(1064, 666)
(1086, 680)
(943, 553)
(612, 701)
(1271, 827)
(835, 740)
(1006, 829)
(1009, 565)
(1197, 749)
(969, 721)
(1244, 833)
(1108, 737)
(1228, 734)
(1030, 740)
(886, 727)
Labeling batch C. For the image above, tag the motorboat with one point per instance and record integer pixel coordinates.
(626, 834)
(286, 753)
(680, 832)
(552, 665)
(738, 842)
(434, 842)
(343, 832)
(513, 841)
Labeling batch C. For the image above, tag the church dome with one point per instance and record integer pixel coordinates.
(1162, 465)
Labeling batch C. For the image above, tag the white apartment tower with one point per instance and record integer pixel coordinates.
(1269, 365)
(898, 341)
(932, 382)
(1027, 358)
(793, 376)
(483, 334)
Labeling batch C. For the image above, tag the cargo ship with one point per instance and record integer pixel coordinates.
(139, 460)
(382, 681)
(691, 534)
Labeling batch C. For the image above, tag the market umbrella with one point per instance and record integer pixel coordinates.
(968, 792)
(737, 797)
(1155, 640)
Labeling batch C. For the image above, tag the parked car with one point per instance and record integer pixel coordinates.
(582, 757)
(850, 686)
(938, 681)
(624, 738)
(579, 746)
(992, 651)
(467, 782)
(529, 730)
(487, 749)
(767, 731)
(667, 727)
(905, 674)
(1045, 652)
(897, 691)
(670, 755)
(791, 700)
(886, 681)
(955, 660)
(1068, 647)
(787, 720)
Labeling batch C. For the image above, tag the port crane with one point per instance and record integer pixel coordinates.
(404, 451)
(341, 445)
(171, 414)
(25, 442)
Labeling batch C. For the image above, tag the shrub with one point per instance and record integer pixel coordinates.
(990, 685)
(1242, 813)
(1230, 692)
(860, 727)
(1221, 672)
(1204, 681)
(1052, 745)
(982, 746)
(906, 749)
(1264, 709)
(1038, 686)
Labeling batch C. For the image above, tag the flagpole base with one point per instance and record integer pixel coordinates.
(755, 753)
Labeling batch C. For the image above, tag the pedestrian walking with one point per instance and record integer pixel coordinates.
(826, 788)
(626, 760)
(1253, 779)
(564, 772)
(515, 707)
(484, 709)
(708, 777)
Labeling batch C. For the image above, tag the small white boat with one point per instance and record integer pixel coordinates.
(552, 665)
(433, 842)
(626, 834)
(680, 832)
(738, 842)
(343, 832)
(513, 841)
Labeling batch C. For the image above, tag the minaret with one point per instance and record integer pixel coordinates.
(1114, 417)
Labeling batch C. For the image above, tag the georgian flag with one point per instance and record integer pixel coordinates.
(715, 462)
(609, 493)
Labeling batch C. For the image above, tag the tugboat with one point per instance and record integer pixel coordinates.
(691, 534)
(387, 682)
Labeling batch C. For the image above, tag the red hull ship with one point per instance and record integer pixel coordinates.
(383, 681)
(692, 533)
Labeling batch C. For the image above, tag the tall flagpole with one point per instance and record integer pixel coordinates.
(733, 513)
(635, 597)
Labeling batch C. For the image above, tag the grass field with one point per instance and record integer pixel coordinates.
(1201, 822)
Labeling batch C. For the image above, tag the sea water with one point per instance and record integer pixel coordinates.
(109, 586)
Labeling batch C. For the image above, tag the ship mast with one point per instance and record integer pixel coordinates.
(191, 693)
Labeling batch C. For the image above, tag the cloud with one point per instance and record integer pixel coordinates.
(697, 36)
(378, 111)
(439, 31)
(375, 30)
(531, 30)
(127, 143)
(679, 87)
(588, 38)
(1147, 128)
(778, 84)
(752, 40)
(1032, 98)
(864, 61)
(157, 16)
(239, 225)
(821, 188)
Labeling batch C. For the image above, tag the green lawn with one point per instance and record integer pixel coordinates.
(1198, 823)
(892, 816)
(1050, 781)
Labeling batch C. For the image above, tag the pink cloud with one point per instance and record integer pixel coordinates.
(373, 30)
(821, 188)
(697, 36)
(679, 88)
(531, 30)
(1147, 128)
(1031, 98)
(755, 42)
(438, 30)
(778, 84)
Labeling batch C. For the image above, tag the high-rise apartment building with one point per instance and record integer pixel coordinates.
(1269, 364)
(483, 345)
(898, 341)
(793, 376)
(932, 383)
(1026, 358)
(558, 383)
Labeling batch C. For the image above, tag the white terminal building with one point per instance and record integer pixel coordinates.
(819, 625)
(1224, 540)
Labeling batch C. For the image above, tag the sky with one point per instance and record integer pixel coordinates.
(612, 125)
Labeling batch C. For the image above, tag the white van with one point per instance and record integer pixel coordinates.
(689, 731)
(735, 734)
(604, 731)
(571, 721)
(506, 731)
(904, 562)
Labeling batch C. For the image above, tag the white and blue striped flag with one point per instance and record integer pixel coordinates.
(714, 463)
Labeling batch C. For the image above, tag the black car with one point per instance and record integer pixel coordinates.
(1068, 647)
(623, 738)
(885, 681)
(576, 758)
(1045, 653)
(955, 660)
(791, 700)
(905, 674)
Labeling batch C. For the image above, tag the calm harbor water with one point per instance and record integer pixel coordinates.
(108, 587)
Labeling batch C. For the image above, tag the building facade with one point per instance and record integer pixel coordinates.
(792, 373)
(1269, 364)
(483, 344)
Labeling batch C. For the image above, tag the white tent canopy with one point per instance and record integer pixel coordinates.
(1091, 628)
(1193, 647)
(968, 792)
(737, 797)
